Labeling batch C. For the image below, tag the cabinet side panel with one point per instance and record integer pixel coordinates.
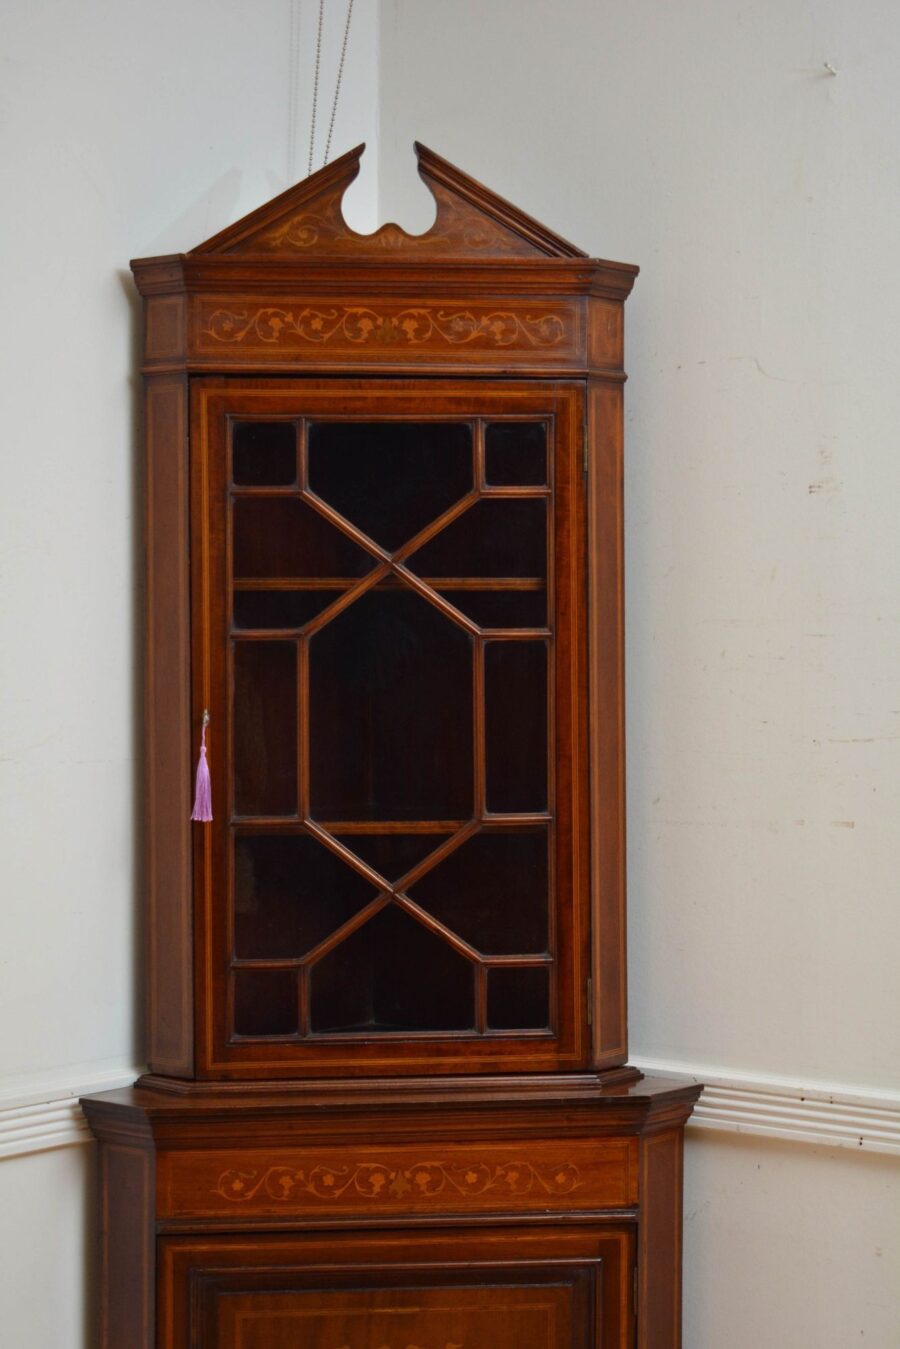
(127, 1271)
(607, 716)
(168, 729)
(659, 1253)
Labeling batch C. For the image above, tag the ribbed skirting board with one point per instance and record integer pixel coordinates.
(781, 1107)
(37, 1115)
(40, 1118)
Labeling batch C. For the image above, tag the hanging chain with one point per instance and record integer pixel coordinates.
(312, 129)
(293, 90)
(337, 85)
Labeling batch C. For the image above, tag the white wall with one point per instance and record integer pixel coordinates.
(788, 1246)
(126, 129)
(760, 196)
(48, 1250)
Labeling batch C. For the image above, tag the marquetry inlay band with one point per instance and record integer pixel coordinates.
(400, 1178)
(370, 1180)
(364, 326)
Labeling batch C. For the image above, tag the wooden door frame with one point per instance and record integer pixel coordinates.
(562, 402)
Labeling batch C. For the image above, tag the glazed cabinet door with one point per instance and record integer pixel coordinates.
(388, 606)
(517, 1289)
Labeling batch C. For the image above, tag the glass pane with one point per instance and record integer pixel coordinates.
(390, 684)
(265, 1002)
(515, 454)
(392, 855)
(501, 608)
(390, 479)
(492, 892)
(392, 975)
(290, 893)
(518, 999)
(265, 728)
(282, 536)
(264, 454)
(515, 694)
(492, 538)
(280, 608)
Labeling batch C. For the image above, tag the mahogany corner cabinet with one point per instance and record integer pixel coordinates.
(388, 1103)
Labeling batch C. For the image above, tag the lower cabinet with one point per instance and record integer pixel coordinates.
(549, 1287)
(496, 1216)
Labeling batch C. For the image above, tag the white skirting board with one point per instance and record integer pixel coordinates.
(35, 1118)
(782, 1107)
(40, 1113)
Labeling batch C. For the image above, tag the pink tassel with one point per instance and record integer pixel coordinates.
(203, 790)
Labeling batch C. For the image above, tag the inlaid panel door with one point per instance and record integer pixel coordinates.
(513, 1288)
(388, 608)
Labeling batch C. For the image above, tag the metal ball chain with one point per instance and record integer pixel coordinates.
(337, 86)
(312, 129)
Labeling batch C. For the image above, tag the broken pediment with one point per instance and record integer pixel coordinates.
(307, 220)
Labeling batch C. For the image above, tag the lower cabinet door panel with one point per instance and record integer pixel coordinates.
(511, 1288)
